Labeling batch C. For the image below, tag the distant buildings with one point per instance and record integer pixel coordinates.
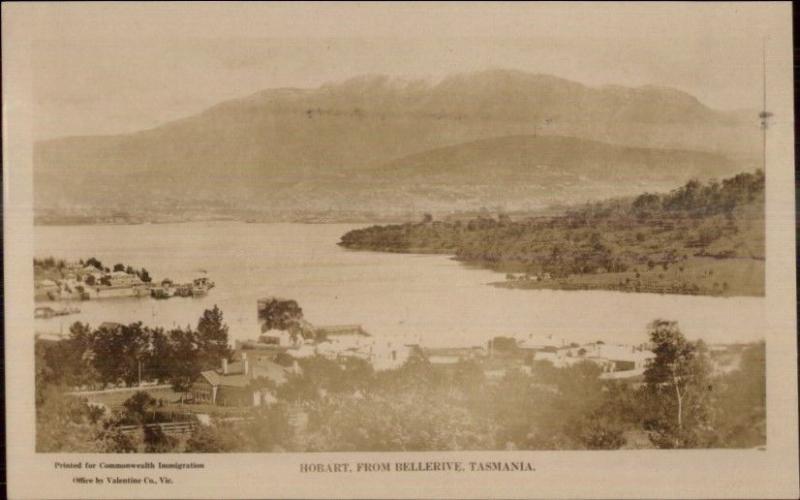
(452, 355)
(335, 342)
(339, 342)
(73, 281)
(616, 360)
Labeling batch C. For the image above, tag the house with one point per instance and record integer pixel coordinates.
(622, 357)
(452, 355)
(621, 360)
(46, 289)
(281, 338)
(562, 358)
(239, 383)
(121, 278)
(50, 337)
(341, 338)
(340, 331)
(390, 354)
(43, 312)
(253, 345)
(302, 351)
(540, 342)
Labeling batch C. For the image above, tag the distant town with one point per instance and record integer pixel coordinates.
(61, 281)
(295, 386)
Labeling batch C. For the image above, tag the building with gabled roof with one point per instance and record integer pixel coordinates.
(240, 383)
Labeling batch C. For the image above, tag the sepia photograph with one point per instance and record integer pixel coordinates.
(544, 235)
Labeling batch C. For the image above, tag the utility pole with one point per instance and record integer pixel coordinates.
(764, 115)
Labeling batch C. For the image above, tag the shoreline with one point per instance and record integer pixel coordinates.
(562, 286)
(654, 281)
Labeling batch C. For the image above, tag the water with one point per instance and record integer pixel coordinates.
(420, 298)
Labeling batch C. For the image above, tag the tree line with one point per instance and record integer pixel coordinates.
(116, 354)
(634, 235)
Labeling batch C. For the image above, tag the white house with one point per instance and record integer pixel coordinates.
(612, 358)
(280, 338)
(538, 342)
(389, 354)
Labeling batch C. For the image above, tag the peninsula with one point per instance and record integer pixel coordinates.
(698, 239)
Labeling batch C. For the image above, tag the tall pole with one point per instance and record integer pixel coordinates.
(764, 105)
(764, 115)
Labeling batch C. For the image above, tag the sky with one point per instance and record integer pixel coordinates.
(115, 68)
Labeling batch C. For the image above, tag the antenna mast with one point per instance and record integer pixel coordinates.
(764, 114)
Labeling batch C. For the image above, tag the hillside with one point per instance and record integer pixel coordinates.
(303, 146)
(703, 239)
(528, 172)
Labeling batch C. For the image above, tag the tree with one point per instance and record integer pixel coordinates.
(90, 280)
(269, 430)
(214, 439)
(119, 267)
(118, 352)
(741, 409)
(144, 276)
(95, 263)
(113, 440)
(64, 424)
(183, 359)
(67, 363)
(600, 431)
(139, 405)
(677, 381)
(212, 338)
(157, 362)
(279, 314)
(157, 441)
(646, 205)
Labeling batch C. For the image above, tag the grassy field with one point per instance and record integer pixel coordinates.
(115, 397)
(694, 276)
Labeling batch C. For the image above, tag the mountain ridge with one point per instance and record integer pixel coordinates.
(292, 135)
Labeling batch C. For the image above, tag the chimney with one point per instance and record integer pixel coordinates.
(224, 366)
(245, 364)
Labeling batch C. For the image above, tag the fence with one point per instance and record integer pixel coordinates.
(171, 428)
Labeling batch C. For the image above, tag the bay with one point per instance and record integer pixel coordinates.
(428, 299)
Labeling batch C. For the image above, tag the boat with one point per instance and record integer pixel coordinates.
(201, 286)
(184, 291)
(45, 312)
(161, 293)
(203, 282)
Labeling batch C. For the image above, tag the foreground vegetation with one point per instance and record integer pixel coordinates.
(704, 239)
(682, 402)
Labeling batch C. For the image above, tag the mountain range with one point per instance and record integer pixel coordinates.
(383, 145)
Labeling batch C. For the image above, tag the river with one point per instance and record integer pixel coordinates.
(430, 299)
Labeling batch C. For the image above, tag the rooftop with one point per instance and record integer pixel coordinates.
(332, 330)
(237, 378)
